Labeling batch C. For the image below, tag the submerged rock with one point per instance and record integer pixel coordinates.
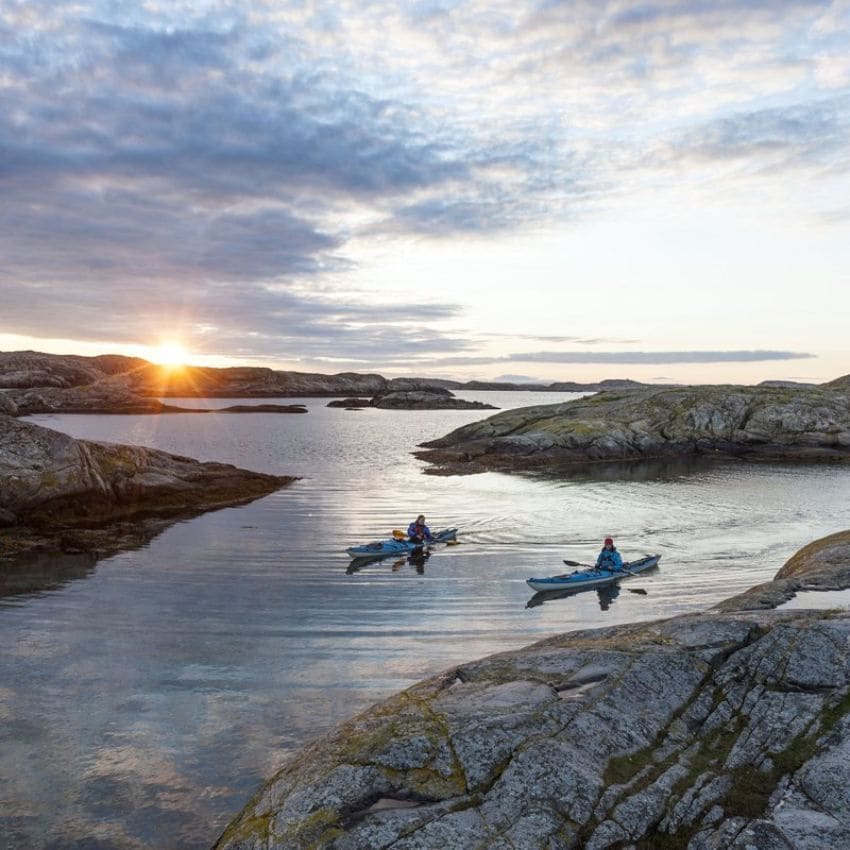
(753, 422)
(55, 488)
(724, 729)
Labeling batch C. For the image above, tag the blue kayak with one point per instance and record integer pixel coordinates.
(385, 548)
(580, 579)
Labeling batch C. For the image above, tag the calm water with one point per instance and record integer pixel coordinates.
(145, 698)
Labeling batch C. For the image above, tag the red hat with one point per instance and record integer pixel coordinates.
(608, 540)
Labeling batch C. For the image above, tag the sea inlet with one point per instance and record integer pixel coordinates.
(146, 696)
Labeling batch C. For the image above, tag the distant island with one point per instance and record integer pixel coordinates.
(34, 382)
(438, 398)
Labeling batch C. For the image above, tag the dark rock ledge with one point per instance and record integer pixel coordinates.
(727, 729)
(766, 423)
(58, 493)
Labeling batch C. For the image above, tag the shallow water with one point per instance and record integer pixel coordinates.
(145, 697)
(821, 600)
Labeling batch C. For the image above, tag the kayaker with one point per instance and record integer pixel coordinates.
(418, 532)
(609, 558)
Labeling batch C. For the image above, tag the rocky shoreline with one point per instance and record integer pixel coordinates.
(768, 423)
(727, 729)
(70, 495)
(33, 382)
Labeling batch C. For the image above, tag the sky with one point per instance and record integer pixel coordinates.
(528, 190)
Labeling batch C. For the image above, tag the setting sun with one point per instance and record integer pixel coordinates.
(169, 354)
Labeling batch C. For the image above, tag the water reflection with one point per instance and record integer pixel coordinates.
(44, 571)
(656, 469)
(606, 595)
(415, 559)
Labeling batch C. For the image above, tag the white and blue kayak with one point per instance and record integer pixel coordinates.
(581, 579)
(394, 546)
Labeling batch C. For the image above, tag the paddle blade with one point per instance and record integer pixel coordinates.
(399, 534)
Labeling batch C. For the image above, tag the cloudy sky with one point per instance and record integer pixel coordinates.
(527, 188)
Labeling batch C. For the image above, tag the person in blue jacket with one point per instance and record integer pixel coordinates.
(609, 558)
(418, 532)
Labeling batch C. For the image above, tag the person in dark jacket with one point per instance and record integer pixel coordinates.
(418, 532)
(609, 558)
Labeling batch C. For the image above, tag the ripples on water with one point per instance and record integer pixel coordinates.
(144, 698)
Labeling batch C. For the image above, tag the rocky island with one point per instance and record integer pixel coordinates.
(436, 398)
(727, 729)
(780, 423)
(72, 495)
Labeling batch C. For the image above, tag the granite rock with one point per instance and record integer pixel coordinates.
(632, 425)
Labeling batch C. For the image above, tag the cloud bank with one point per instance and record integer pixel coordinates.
(208, 167)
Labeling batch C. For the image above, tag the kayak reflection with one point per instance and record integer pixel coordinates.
(606, 595)
(415, 559)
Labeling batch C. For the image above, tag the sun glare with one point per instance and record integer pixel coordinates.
(169, 354)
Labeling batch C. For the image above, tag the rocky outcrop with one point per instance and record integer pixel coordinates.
(61, 492)
(786, 384)
(350, 403)
(434, 399)
(753, 422)
(7, 405)
(111, 395)
(842, 383)
(717, 730)
(27, 369)
(104, 396)
(33, 370)
(426, 400)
